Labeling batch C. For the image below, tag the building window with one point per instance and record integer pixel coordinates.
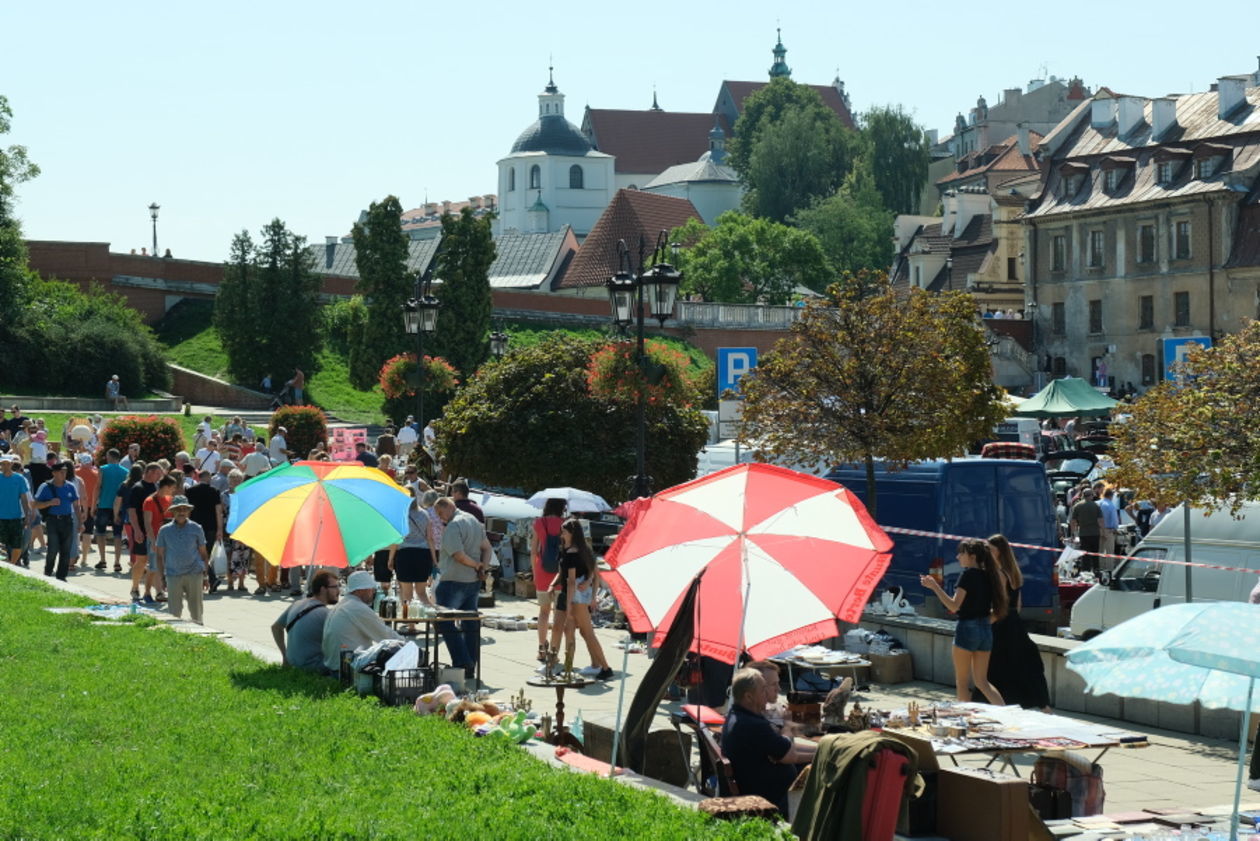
(1071, 185)
(1181, 241)
(1181, 309)
(1095, 316)
(535, 177)
(1058, 318)
(1012, 268)
(575, 177)
(1148, 369)
(1058, 368)
(1146, 312)
(1205, 167)
(511, 180)
(1146, 244)
(1096, 249)
(1111, 180)
(1164, 172)
(1058, 253)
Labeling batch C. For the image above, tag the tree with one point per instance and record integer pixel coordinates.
(385, 283)
(899, 156)
(766, 107)
(852, 226)
(871, 372)
(803, 155)
(1192, 439)
(744, 260)
(463, 323)
(530, 420)
(15, 166)
(267, 310)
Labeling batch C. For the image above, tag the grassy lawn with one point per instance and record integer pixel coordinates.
(127, 732)
(330, 387)
(56, 420)
(190, 340)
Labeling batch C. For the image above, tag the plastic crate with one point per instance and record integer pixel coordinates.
(403, 686)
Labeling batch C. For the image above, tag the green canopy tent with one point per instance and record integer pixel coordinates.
(1066, 398)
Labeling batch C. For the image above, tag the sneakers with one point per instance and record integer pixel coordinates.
(161, 597)
(148, 600)
(100, 566)
(261, 591)
(589, 671)
(135, 595)
(605, 674)
(1254, 785)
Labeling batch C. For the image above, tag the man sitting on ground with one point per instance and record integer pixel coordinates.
(352, 624)
(761, 759)
(304, 622)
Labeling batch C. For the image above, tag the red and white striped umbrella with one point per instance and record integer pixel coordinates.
(782, 555)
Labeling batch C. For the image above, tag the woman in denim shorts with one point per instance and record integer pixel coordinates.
(979, 600)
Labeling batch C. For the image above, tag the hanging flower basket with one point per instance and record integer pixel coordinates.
(399, 376)
(614, 374)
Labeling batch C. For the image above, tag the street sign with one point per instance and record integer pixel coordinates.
(730, 413)
(732, 364)
(1176, 350)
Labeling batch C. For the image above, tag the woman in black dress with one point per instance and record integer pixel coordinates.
(1015, 666)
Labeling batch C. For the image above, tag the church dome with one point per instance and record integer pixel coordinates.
(553, 135)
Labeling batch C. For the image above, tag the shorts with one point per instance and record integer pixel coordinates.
(413, 564)
(974, 634)
(104, 520)
(542, 578)
(580, 596)
(380, 567)
(11, 534)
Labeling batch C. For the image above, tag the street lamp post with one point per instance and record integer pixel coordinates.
(153, 213)
(627, 291)
(419, 318)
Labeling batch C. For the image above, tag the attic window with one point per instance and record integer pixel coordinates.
(1206, 167)
(1164, 172)
(1111, 180)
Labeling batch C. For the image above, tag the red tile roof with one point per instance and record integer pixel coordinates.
(632, 213)
(1004, 157)
(830, 96)
(648, 141)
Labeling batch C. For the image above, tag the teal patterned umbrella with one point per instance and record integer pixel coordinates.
(1207, 652)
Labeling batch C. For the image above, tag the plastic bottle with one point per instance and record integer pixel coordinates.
(575, 729)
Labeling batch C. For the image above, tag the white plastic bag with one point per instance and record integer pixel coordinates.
(219, 559)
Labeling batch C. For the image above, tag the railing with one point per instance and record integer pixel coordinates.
(705, 314)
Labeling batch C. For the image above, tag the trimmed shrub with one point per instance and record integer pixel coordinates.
(305, 426)
(157, 437)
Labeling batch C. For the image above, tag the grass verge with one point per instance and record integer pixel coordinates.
(55, 421)
(190, 338)
(127, 732)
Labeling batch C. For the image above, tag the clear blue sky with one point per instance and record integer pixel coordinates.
(231, 114)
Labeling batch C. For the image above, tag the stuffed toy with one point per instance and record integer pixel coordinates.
(432, 702)
(458, 710)
(514, 727)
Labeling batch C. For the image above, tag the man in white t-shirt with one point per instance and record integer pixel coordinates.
(279, 448)
(407, 438)
(256, 462)
(208, 457)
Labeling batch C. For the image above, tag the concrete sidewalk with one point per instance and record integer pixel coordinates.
(1176, 771)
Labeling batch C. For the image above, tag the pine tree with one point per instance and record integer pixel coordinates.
(385, 284)
(463, 324)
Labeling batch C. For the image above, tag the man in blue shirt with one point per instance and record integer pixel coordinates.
(113, 475)
(1110, 522)
(760, 758)
(15, 510)
(57, 499)
(181, 557)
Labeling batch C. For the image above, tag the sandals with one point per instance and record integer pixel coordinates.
(542, 653)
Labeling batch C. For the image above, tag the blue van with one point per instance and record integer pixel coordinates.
(970, 498)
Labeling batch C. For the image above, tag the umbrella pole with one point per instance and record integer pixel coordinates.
(621, 697)
(1242, 752)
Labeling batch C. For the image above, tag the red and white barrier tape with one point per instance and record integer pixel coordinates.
(1149, 560)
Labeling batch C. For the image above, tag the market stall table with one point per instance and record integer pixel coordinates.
(431, 636)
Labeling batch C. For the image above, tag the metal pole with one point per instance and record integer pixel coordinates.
(1242, 751)
(1188, 550)
(640, 478)
(155, 251)
(420, 383)
(621, 697)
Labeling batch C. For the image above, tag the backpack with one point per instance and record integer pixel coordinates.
(550, 553)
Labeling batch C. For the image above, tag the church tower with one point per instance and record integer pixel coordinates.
(780, 68)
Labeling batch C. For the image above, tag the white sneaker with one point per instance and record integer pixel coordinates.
(589, 671)
(1254, 785)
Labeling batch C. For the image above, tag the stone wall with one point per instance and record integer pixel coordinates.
(208, 391)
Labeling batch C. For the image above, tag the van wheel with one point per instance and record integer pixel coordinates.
(1090, 634)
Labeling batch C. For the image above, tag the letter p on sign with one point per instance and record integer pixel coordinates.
(732, 364)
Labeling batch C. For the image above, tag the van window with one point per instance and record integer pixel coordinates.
(1140, 574)
(969, 494)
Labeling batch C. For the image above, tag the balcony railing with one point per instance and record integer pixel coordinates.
(753, 316)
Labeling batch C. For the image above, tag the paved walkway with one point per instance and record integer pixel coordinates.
(1175, 771)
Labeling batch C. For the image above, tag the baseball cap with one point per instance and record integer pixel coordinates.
(179, 501)
(361, 580)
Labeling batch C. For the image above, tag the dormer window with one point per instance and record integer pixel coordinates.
(1168, 164)
(1205, 167)
(1209, 159)
(1115, 168)
(1164, 172)
(1074, 175)
(1111, 180)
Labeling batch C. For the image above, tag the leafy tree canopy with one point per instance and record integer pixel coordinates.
(15, 166)
(852, 226)
(871, 372)
(744, 260)
(381, 250)
(765, 107)
(899, 156)
(463, 324)
(529, 420)
(803, 155)
(1194, 438)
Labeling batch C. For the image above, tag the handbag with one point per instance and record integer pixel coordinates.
(219, 559)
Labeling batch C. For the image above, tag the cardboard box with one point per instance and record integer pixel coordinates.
(525, 588)
(1005, 816)
(891, 668)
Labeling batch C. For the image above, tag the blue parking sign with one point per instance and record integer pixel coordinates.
(1175, 351)
(732, 364)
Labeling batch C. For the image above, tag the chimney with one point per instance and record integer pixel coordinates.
(491, 200)
(1102, 112)
(1231, 92)
(1129, 114)
(949, 215)
(1255, 77)
(330, 251)
(1011, 96)
(1163, 116)
(474, 202)
(1025, 144)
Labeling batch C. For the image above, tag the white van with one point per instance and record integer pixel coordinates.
(1140, 584)
(1021, 430)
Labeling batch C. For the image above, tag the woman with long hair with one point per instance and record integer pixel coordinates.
(1015, 666)
(979, 599)
(544, 554)
(576, 584)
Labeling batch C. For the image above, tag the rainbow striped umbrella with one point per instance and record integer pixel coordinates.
(322, 512)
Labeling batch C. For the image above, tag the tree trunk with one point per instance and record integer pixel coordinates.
(870, 484)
